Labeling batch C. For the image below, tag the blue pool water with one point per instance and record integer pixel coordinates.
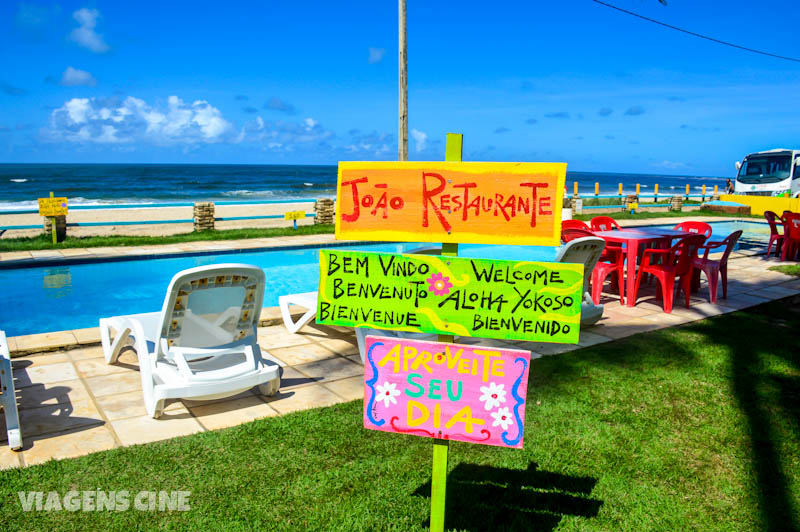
(753, 233)
(74, 296)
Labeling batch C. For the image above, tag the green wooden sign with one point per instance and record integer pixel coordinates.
(513, 300)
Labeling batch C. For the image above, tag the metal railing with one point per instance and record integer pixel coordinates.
(157, 206)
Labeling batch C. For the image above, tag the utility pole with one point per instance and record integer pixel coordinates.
(402, 137)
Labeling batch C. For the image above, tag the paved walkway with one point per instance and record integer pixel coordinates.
(72, 403)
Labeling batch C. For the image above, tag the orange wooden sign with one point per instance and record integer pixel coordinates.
(454, 202)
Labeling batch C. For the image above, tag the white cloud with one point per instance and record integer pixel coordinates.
(670, 165)
(84, 34)
(376, 55)
(284, 136)
(369, 145)
(420, 139)
(95, 120)
(73, 77)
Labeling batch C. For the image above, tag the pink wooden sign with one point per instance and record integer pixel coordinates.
(450, 391)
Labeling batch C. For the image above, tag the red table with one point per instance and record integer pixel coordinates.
(634, 240)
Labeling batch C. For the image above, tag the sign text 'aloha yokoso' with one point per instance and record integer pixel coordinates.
(454, 202)
(448, 391)
(517, 300)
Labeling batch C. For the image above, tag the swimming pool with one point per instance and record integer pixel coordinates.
(73, 296)
(754, 234)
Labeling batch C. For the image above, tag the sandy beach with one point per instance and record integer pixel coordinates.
(138, 214)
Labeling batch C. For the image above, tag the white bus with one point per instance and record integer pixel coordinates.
(769, 173)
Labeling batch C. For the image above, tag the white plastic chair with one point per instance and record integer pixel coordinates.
(8, 398)
(586, 251)
(307, 300)
(203, 343)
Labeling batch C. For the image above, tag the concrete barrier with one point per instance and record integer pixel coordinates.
(759, 204)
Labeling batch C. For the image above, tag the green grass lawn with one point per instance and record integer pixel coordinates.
(689, 428)
(45, 242)
(790, 269)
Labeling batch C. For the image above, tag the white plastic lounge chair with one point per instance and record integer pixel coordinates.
(203, 343)
(586, 251)
(307, 300)
(8, 398)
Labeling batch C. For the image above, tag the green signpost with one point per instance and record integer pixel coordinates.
(447, 294)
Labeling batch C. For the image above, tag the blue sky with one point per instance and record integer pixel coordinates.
(316, 82)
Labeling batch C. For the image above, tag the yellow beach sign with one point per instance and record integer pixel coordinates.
(52, 206)
(294, 215)
(451, 202)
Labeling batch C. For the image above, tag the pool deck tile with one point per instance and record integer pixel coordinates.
(9, 459)
(39, 394)
(278, 336)
(44, 374)
(303, 398)
(292, 378)
(34, 343)
(75, 252)
(12, 345)
(590, 338)
(51, 357)
(778, 291)
(88, 336)
(302, 354)
(69, 444)
(114, 384)
(348, 389)
(58, 417)
(341, 346)
(45, 253)
(231, 413)
(95, 367)
(330, 369)
(15, 256)
(144, 429)
(85, 352)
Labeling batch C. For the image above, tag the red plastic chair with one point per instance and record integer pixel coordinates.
(714, 269)
(791, 226)
(701, 228)
(568, 233)
(604, 223)
(575, 224)
(612, 260)
(677, 263)
(774, 235)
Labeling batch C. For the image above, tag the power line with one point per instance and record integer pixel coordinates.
(697, 34)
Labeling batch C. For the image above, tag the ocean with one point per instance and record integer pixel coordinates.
(21, 184)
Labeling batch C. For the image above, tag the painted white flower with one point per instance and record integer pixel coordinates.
(502, 417)
(387, 393)
(493, 395)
